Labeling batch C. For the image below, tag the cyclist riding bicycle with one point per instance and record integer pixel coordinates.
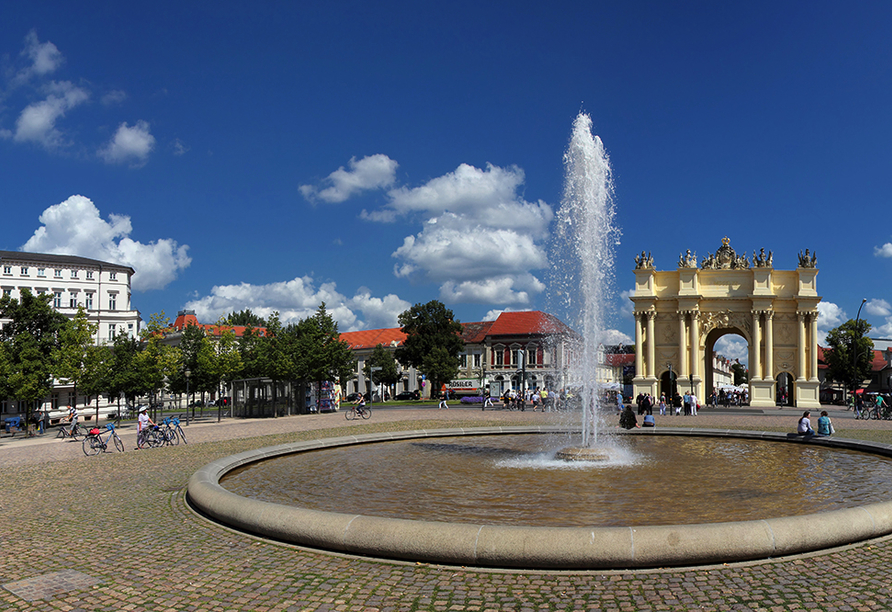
(72, 419)
(359, 403)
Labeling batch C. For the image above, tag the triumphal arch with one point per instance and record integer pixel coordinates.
(679, 315)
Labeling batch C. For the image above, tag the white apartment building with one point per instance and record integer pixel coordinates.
(102, 288)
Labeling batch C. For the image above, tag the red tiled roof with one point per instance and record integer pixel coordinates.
(618, 359)
(877, 364)
(528, 322)
(370, 338)
(184, 320)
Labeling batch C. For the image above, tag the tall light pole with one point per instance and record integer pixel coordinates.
(854, 340)
(187, 373)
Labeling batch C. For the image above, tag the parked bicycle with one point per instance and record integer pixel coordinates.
(94, 444)
(150, 437)
(173, 423)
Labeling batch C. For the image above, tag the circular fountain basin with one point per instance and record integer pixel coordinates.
(510, 544)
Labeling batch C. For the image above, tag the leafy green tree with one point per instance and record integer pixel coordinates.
(433, 342)
(321, 354)
(77, 340)
(741, 374)
(157, 362)
(227, 361)
(245, 318)
(382, 358)
(849, 353)
(31, 337)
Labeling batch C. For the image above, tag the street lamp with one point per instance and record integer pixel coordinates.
(188, 373)
(854, 340)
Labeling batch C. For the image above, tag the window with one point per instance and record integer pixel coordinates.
(41, 271)
(24, 270)
(7, 292)
(477, 360)
(499, 355)
(74, 274)
(89, 274)
(112, 330)
(57, 299)
(58, 273)
(112, 302)
(72, 301)
(112, 276)
(88, 302)
(463, 361)
(7, 269)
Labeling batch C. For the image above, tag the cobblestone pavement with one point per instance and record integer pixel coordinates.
(121, 521)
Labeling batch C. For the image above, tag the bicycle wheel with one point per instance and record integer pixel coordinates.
(92, 445)
(366, 412)
(181, 435)
(350, 414)
(153, 439)
(118, 444)
(174, 437)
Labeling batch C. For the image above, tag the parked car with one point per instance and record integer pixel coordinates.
(408, 395)
(352, 397)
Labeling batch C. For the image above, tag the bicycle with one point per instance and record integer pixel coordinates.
(73, 432)
(150, 437)
(94, 444)
(355, 412)
(175, 424)
(168, 432)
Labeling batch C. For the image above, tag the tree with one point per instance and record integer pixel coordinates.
(389, 373)
(322, 355)
(741, 374)
(157, 361)
(76, 342)
(849, 353)
(433, 342)
(31, 339)
(245, 318)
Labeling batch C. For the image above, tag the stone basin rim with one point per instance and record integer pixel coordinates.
(527, 547)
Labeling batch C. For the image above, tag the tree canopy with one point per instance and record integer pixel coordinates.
(433, 342)
(849, 353)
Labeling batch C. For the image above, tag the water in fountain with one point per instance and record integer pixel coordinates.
(582, 261)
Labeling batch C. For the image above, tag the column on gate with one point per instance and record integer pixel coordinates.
(695, 344)
(651, 343)
(802, 374)
(756, 370)
(682, 346)
(813, 346)
(769, 345)
(639, 346)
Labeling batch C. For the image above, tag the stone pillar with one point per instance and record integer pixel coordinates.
(682, 346)
(639, 346)
(695, 345)
(801, 375)
(651, 344)
(756, 370)
(813, 347)
(769, 345)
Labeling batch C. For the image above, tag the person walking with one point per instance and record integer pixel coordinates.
(443, 405)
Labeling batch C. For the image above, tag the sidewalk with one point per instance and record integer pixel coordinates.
(113, 532)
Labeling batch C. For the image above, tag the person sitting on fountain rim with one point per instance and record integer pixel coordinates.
(649, 421)
(627, 419)
(804, 426)
(825, 426)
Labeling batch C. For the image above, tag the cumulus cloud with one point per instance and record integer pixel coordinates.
(43, 58)
(37, 122)
(113, 97)
(883, 251)
(74, 227)
(829, 316)
(298, 299)
(129, 145)
(878, 308)
(372, 172)
(733, 347)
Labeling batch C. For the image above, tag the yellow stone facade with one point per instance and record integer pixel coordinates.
(681, 313)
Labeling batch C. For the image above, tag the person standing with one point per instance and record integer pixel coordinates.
(142, 426)
(662, 404)
(687, 403)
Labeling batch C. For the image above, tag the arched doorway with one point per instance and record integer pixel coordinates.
(784, 389)
(681, 313)
(724, 349)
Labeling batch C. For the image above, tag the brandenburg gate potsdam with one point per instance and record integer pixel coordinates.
(681, 313)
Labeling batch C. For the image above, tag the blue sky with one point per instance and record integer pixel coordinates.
(374, 155)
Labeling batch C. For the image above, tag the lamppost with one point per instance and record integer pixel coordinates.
(187, 373)
(854, 341)
(671, 389)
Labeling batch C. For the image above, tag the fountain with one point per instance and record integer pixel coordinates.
(582, 263)
(586, 238)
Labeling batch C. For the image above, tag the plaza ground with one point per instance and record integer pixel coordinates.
(113, 532)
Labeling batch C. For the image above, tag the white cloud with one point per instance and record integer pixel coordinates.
(883, 251)
(298, 299)
(113, 97)
(130, 145)
(74, 227)
(44, 58)
(37, 122)
(612, 337)
(372, 172)
(878, 308)
(829, 316)
(733, 347)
